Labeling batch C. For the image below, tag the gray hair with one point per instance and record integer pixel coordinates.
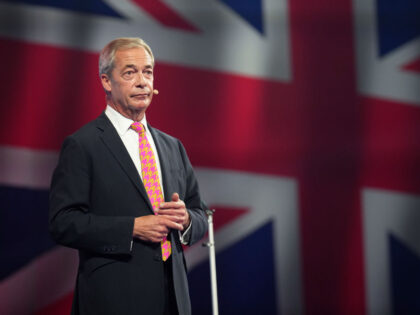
(107, 55)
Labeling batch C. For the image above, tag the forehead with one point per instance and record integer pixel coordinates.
(137, 56)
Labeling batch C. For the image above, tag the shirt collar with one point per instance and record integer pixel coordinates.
(122, 124)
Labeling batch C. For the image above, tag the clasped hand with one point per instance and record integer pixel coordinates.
(170, 215)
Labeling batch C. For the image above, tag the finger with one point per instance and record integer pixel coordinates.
(159, 236)
(163, 229)
(172, 224)
(171, 204)
(155, 238)
(175, 218)
(158, 239)
(175, 197)
(171, 212)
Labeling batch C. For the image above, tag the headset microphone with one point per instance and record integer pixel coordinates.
(156, 92)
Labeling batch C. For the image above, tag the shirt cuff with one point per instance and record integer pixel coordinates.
(184, 234)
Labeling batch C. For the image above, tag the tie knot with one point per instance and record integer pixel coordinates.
(138, 127)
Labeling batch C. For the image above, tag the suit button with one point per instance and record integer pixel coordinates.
(157, 257)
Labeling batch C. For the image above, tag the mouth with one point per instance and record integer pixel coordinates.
(140, 95)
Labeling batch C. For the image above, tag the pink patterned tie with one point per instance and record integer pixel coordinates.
(151, 180)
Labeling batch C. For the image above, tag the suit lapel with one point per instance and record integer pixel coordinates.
(114, 143)
(164, 163)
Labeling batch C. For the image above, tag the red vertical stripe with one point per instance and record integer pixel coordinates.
(323, 54)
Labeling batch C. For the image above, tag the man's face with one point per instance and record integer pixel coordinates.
(131, 82)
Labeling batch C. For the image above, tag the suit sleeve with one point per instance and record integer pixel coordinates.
(193, 203)
(71, 221)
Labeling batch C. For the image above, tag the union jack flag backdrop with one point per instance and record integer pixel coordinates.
(302, 121)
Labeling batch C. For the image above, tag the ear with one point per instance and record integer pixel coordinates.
(106, 82)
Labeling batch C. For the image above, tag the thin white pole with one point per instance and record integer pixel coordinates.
(212, 252)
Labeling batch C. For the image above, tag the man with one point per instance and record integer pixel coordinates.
(107, 193)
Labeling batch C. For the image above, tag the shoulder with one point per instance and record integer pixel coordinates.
(88, 137)
(92, 129)
(169, 145)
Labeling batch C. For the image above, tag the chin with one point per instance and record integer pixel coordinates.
(139, 106)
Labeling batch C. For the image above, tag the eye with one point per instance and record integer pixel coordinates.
(148, 72)
(128, 74)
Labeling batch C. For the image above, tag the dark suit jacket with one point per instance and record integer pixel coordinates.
(96, 192)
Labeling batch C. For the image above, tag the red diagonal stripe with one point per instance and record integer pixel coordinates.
(62, 306)
(165, 15)
(413, 66)
(226, 214)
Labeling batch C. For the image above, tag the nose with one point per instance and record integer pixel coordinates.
(140, 80)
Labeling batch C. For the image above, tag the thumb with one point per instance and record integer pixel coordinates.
(175, 197)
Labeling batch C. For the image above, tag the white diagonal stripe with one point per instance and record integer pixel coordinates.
(21, 167)
(43, 281)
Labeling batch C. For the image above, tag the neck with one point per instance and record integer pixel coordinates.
(135, 115)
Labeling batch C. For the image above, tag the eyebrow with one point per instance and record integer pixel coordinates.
(130, 66)
(135, 67)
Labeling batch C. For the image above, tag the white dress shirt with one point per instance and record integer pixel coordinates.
(130, 138)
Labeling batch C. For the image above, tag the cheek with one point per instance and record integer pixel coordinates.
(126, 88)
